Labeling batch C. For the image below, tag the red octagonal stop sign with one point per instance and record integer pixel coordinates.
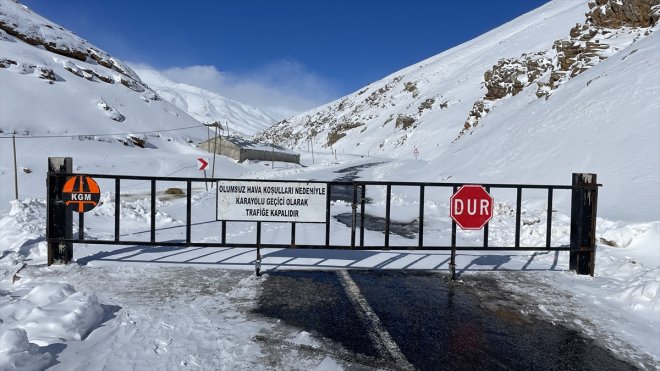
(471, 207)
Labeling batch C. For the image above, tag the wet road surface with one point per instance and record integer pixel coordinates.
(433, 323)
(408, 230)
(349, 174)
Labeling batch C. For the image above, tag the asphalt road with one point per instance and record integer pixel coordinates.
(420, 320)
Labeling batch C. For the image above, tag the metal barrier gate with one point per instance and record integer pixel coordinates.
(584, 194)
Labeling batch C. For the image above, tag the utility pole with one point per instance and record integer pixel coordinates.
(272, 153)
(221, 132)
(13, 139)
(215, 141)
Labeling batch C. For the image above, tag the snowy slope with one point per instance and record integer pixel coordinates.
(522, 103)
(206, 106)
(73, 89)
(605, 121)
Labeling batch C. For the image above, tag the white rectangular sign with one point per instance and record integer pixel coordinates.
(272, 201)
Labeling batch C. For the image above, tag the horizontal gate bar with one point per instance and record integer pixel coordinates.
(410, 184)
(333, 247)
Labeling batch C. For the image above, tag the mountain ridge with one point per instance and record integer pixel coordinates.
(501, 79)
(206, 106)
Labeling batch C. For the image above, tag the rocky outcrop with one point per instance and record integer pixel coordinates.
(507, 78)
(512, 75)
(110, 111)
(81, 54)
(427, 104)
(411, 87)
(45, 73)
(48, 74)
(404, 122)
(33, 39)
(623, 13)
(340, 130)
(375, 98)
(137, 140)
(21, 23)
(588, 43)
(574, 56)
(6, 63)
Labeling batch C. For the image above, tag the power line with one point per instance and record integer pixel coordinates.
(96, 135)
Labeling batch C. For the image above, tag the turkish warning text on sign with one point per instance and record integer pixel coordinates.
(272, 201)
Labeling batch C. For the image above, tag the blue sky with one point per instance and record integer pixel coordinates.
(294, 54)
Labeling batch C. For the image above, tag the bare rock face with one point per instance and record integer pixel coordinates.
(404, 122)
(620, 13)
(340, 130)
(6, 63)
(110, 111)
(507, 78)
(427, 104)
(512, 75)
(47, 74)
(576, 55)
(137, 141)
(33, 39)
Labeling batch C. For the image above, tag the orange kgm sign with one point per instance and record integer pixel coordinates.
(81, 193)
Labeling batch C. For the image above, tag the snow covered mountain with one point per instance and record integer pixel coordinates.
(62, 96)
(73, 86)
(552, 92)
(207, 107)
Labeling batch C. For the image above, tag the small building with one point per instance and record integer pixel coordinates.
(241, 149)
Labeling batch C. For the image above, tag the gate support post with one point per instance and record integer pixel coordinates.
(58, 218)
(583, 223)
(452, 261)
(353, 214)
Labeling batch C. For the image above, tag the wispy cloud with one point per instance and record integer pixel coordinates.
(281, 88)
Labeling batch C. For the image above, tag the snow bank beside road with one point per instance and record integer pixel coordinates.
(23, 230)
(35, 315)
(636, 270)
(16, 353)
(49, 313)
(621, 301)
(52, 312)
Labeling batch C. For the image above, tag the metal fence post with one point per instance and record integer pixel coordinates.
(584, 201)
(452, 261)
(353, 214)
(58, 218)
(257, 261)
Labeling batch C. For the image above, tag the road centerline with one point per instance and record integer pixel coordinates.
(382, 339)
